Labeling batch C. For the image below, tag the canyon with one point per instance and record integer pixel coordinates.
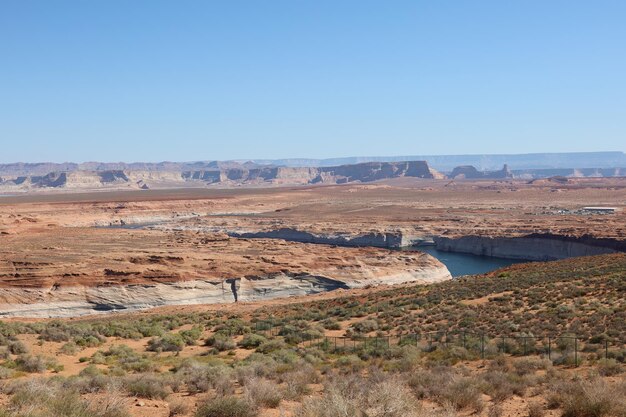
(69, 254)
(75, 271)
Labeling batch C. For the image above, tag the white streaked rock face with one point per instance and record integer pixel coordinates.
(79, 300)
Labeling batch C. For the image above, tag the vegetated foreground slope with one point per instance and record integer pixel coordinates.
(584, 296)
(208, 362)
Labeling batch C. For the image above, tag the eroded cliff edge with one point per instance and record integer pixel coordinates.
(68, 272)
(530, 247)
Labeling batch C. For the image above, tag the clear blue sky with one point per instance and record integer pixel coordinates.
(155, 80)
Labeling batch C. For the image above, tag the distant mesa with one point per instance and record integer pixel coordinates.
(225, 174)
(470, 172)
(20, 177)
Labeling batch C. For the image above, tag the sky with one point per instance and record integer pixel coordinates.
(152, 80)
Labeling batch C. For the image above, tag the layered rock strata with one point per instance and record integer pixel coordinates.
(67, 272)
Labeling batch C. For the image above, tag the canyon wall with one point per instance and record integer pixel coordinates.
(85, 300)
(532, 248)
(374, 239)
(74, 271)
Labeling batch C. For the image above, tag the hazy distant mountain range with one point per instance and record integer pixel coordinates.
(24, 177)
(443, 163)
(447, 163)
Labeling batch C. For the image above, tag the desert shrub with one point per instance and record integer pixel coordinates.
(263, 393)
(90, 380)
(595, 398)
(6, 373)
(332, 404)
(252, 340)
(446, 387)
(297, 382)
(232, 327)
(351, 363)
(365, 326)
(201, 378)
(178, 408)
(409, 358)
(525, 366)
(331, 324)
(352, 395)
(147, 386)
(501, 386)
(90, 371)
(5, 353)
(463, 394)
(609, 367)
(390, 398)
(69, 348)
(271, 346)
(191, 336)
(17, 348)
(32, 364)
(55, 333)
(169, 342)
(426, 384)
(125, 357)
(535, 409)
(42, 398)
(495, 411)
(256, 365)
(449, 356)
(89, 340)
(226, 407)
(220, 342)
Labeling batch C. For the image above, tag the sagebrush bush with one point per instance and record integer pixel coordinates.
(226, 407)
(178, 408)
(44, 398)
(201, 378)
(535, 409)
(609, 367)
(263, 393)
(147, 386)
(167, 343)
(32, 364)
(595, 398)
(221, 342)
(252, 340)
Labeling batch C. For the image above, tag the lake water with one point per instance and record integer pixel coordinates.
(465, 263)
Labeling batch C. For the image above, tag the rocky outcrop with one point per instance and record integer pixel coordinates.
(532, 247)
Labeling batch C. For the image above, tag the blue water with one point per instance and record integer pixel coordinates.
(465, 263)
